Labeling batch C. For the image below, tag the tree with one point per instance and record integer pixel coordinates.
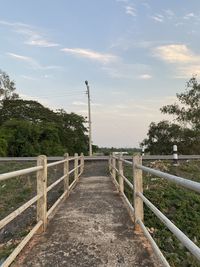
(161, 137)
(7, 87)
(185, 132)
(187, 112)
(27, 128)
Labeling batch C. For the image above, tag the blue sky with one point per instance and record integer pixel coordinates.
(135, 54)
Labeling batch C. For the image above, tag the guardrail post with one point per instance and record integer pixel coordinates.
(82, 163)
(42, 191)
(110, 163)
(66, 173)
(138, 187)
(121, 172)
(76, 166)
(175, 155)
(113, 166)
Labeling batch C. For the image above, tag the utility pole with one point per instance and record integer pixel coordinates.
(89, 119)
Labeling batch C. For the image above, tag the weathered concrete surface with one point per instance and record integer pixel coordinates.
(91, 228)
(96, 168)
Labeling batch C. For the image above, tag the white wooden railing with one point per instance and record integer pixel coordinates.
(41, 198)
(116, 166)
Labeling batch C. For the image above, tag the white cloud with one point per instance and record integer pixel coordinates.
(126, 71)
(90, 54)
(158, 18)
(32, 36)
(145, 76)
(80, 103)
(30, 78)
(184, 60)
(31, 61)
(189, 16)
(131, 11)
(169, 13)
(176, 53)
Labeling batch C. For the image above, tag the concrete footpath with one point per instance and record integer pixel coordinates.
(91, 228)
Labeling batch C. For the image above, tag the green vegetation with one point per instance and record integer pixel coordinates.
(27, 128)
(185, 130)
(180, 205)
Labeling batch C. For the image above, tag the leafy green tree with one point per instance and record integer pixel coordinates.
(7, 87)
(187, 112)
(27, 128)
(161, 137)
(185, 132)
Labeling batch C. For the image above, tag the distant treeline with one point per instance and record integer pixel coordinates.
(27, 128)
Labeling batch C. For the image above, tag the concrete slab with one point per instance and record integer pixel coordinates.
(91, 228)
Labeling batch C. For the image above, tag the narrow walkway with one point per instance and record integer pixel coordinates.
(91, 228)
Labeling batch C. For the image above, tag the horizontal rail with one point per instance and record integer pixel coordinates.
(72, 184)
(71, 171)
(112, 167)
(17, 250)
(56, 182)
(128, 203)
(195, 186)
(128, 162)
(104, 158)
(153, 244)
(127, 181)
(193, 248)
(18, 211)
(56, 163)
(9, 175)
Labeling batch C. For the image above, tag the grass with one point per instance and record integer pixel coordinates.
(180, 205)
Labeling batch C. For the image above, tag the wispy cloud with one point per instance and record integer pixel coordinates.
(176, 53)
(90, 54)
(126, 71)
(190, 15)
(145, 76)
(31, 62)
(27, 77)
(158, 18)
(80, 103)
(130, 10)
(185, 61)
(32, 36)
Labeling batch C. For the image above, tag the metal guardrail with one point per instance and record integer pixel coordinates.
(41, 198)
(105, 158)
(195, 186)
(139, 198)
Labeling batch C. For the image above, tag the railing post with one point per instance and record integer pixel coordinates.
(76, 166)
(82, 163)
(109, 163)
(113, 166)
(175, 155)
(121, 172)
(138, 187)
(66, 173)
(42, 191)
